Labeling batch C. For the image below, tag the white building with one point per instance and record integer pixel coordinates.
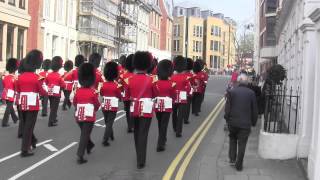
(59, 28)
(143, 26)
(297, 33)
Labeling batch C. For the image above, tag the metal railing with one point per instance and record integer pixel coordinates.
(281, 110)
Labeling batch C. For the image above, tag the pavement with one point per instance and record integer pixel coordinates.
(55, 156)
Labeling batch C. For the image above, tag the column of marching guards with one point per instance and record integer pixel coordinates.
(146, 88)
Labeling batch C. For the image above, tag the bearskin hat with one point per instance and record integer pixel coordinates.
(198, 66)
(46, 64)
(110, 71)
(56, 63)
(21, 67)
(68, 65)
(164, 69)
(87, 75)
(180, 64)
(142, 60)
(12, 65)
(79, 60)
(189, 64)
(33, 61)
(95, 59)
(129, 63)
(122, 60)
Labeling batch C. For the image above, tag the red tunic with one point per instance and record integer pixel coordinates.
(55, 84)
(183, 88)
(99, 79)
(124, 81)
(87, 104)
(67, 78)
(199, 85)
(29, 88)
(191, 77)
(111, 93)
(164, 93)
(8, 83)
(140, 90)
(75, 79)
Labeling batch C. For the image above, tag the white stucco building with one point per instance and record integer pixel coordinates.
(143, 26)
(59, 28)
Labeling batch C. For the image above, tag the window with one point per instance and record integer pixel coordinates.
(22, 4)
(194, 30)
(47, 8)
(12, 2)
(54, 45)
(59, 10)
(1, 31)
(20, 43)
(223, 49)
(212, 30)
(181, 12)
(176, 31)
(71, 10)
(216, 46)
(211, 45)
(10, 32)
(176, 45)
(201, 31)
(215, 62)
(211, 61)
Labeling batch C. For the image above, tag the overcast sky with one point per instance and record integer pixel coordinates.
(242, 11)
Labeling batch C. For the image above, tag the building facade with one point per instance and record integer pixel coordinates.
(35, 34)
(14, 24)
(59, 28)
(144, 10)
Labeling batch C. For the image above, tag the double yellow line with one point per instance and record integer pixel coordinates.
(194, 141)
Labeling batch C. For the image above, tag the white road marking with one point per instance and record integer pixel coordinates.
(50, 147)
(41, 162)
(18, 153)
(98, 120)
(121, 116)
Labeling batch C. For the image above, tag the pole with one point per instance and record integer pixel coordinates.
(229, 45)
(187, 38)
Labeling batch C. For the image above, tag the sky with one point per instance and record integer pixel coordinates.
(242, 11)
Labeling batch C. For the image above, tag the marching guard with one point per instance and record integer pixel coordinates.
(8, 94)
(140, 89)
(95, 60)
(182, 89)
(111, 93)
(78, 61)
(29, 88)
(87, 104)
(199, 87)
(190, 94)
(46, 64)
(164, 93)
(67, 78)
(55, 85)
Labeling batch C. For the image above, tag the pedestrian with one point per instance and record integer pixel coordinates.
(8, 94)
(111, 93)
(140, 89)
(199, 87)
(46, 64)
(164, 93)
(78, 61)
(67, 78)
(128, 73)
(87, 104)
(190, 95)
(180, 106)
(95, 60)
(55, 85)
(241, 112)
(29, 88)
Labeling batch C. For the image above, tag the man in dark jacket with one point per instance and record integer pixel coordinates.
(241, 112)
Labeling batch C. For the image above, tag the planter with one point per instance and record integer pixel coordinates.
(277, 146)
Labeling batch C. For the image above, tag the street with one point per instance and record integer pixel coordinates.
(55, 157)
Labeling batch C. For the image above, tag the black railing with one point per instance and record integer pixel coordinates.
(281, 110)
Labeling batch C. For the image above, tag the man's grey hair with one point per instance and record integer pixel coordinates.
(243, 79)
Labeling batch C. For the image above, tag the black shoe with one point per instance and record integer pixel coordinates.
(160, 149)
(239, 168)
(112, 137)
(105, 143)
(232, 162)
(64, 109)
(178, 135)
(19, 136)
(34, 144)
(26, 154)
(196, 114)
(5, 125)
(89, 148)
(81, 160)
(187, 122)
(52, 124)
(44, 115)
(141, 166)
(130, 130)
(15, 121)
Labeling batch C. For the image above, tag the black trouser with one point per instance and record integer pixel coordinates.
(196, 102)
(44, 102)
(238, 141)
(127, 110)
(163, 121)
(66, 101)
(141, 130)
(188, 109)
(29, 119)
(85, 140)
(178, 115)
(20, 128)
(54, 105)
(9, 111)
(109, 117)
